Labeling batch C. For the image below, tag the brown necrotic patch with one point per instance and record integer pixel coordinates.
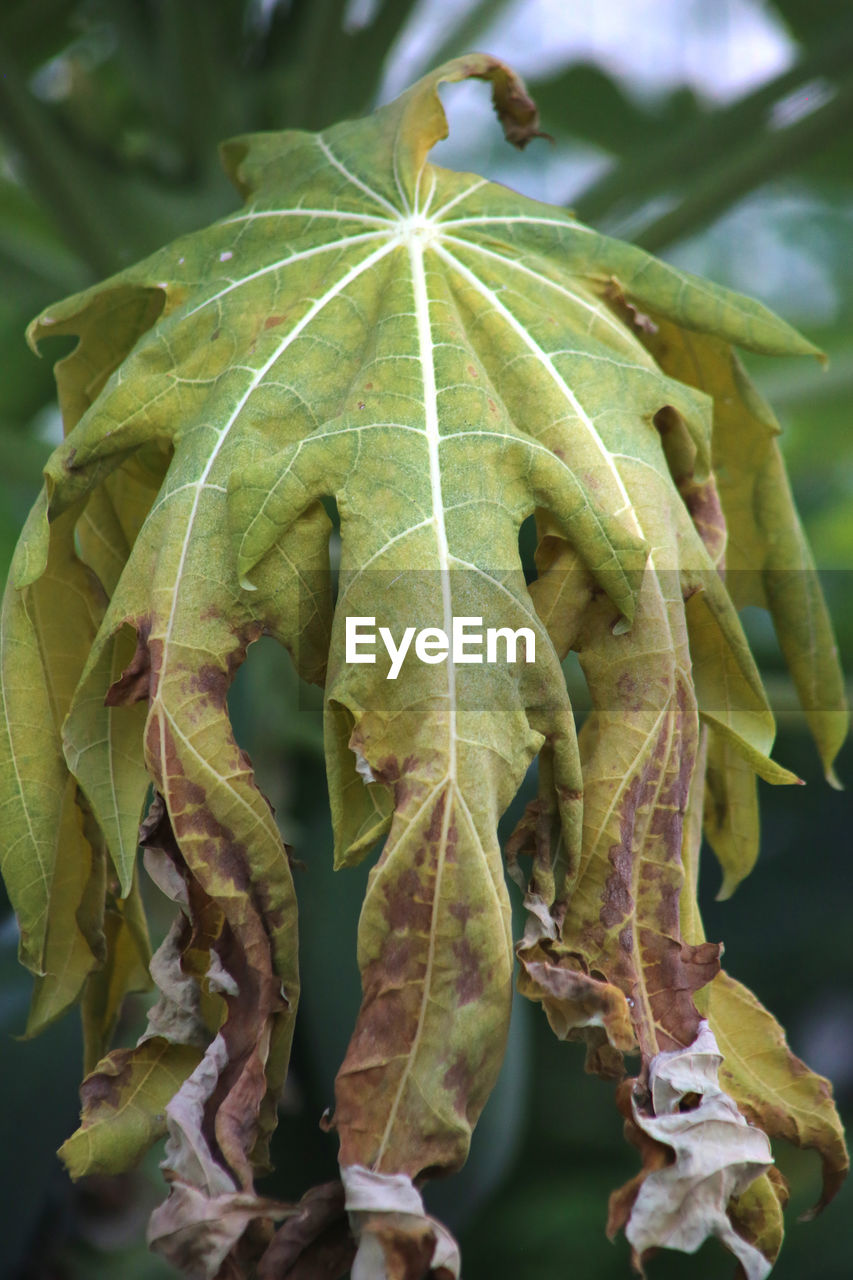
(433, 832)
(673, 973)
(408, 905)
(703, 503)
(469, 979)
(133, 685)
(618, 900)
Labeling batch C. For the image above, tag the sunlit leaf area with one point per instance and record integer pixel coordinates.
(360, 324)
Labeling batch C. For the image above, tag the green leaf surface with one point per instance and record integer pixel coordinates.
(47, 861)
(731, 812)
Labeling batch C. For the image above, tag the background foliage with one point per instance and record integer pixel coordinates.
(720, 143)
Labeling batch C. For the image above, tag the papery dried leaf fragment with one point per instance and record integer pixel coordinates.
(679, 1204)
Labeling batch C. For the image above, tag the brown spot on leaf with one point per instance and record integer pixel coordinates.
(211, 682)
(194, 793)
(403, 791)
(406, 1249)
(460, 911)
(706, 512)
(396, 957)
(452, 840)
(102, 1089)
(458, 1080)
(434, 829)
(134, 683)
(405, 904)
(469, 979)
(618, 901)
(673, 972)
(387, 770)
(626, 687)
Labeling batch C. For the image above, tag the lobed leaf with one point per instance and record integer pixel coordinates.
(442, 358)
(768, 562)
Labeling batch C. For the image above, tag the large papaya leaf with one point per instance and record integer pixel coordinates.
(443, 358)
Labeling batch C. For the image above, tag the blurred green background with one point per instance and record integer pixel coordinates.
(715, 132)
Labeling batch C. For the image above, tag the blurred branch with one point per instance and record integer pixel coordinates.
(55, 173)
(31, 247)
(312, 60)
(194, 80)
(336, 69)
(766, 155)
(693, 148)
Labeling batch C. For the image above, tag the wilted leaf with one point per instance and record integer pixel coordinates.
(731, 812)
(772, 1086)
(102, 740)
(443, 358)
(768, 561)
(678, 1204)
(125, 969)
(46, 632)
(756, 1213)
(208, 1208)
(314, 1242)
(577, 1005)
(773, 1089)
(124, 1104)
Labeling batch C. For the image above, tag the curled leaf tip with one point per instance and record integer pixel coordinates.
(32, 334)
(726, 889)
(514, 107)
